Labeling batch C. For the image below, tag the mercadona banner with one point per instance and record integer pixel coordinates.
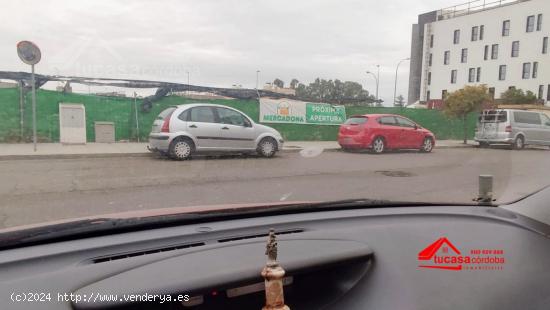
(300, 112)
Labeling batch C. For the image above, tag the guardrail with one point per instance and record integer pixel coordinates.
(473, 7)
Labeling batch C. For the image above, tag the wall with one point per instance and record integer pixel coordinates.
(121, 112)
(530, 49)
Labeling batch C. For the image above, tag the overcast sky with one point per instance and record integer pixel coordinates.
(220, 42)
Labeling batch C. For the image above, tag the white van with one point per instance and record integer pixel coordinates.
(514, 127)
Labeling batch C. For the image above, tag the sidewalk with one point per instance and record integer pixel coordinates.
(57, 150)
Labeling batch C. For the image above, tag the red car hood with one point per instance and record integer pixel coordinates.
(159, 212)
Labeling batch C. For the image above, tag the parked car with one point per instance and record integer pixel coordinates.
(380, 132)
(514, 127)
(183, 130)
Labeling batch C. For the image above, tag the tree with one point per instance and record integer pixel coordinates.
(400, 101)
(460, 103)
(294, 83)
(279, 83)
(333, 91)
(517, 96)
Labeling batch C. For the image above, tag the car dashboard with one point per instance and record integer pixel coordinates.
(363, 258)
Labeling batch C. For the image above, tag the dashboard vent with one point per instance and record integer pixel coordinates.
(284, 232)
(145, 252)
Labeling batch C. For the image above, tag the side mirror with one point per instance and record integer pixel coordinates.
(416, 127)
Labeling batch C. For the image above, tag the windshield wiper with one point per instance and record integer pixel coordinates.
(105, 226)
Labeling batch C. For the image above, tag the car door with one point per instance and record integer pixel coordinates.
(545, 129)
(528, 123)
(237, 131)
(391, 131)
(204, 126)
(410, 136)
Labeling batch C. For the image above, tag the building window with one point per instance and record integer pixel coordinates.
(515, 49)
(444, 94)
(428, 95)
(453, 76)
(494, 51)
(548, 93)
(429, 78)
(511, 87)
(535, 70)
(539, 22)
(486, 53)
(492, 92)
(431, 41)
(526, 70)
(456, 37)
(481, 32)
(447, 57)
(478, 74)
(502, 73)
(530, 23)
(505, 28)
(464, 55)
(541, 92)
(475, 33)
(471, 75)
(430, 59)
(545, 45)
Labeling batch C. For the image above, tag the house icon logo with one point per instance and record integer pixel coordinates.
(441, 254)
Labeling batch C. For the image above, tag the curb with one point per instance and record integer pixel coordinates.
(146, 154)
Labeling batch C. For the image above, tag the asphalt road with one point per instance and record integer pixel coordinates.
(40, 190)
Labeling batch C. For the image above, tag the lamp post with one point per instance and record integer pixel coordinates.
(377, 79)
(188, 85)
(395, 87)
(257, 77)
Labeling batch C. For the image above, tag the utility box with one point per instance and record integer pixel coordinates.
(104, 132)
(72, 123)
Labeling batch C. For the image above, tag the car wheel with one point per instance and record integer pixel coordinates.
(484, 145)
(519, 143)
(378, 145)
(181, 148)
(427, 145)
(267, 147)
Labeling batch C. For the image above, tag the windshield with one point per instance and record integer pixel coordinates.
(110, 107)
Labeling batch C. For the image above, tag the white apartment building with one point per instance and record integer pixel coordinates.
(501, 44)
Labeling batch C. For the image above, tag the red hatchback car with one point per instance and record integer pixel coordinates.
(380, 132)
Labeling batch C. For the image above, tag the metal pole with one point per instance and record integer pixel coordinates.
(257, 77)
(377, 81)
(33, 109)
(188, 85)
(395, 86)
(21, 109)
(137, 121)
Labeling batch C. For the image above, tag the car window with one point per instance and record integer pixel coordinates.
(387, 120)
(527, 118)
(356, 120)
(545, 119)
(202, 114)
(183, 115)
(231, 117)
(403, 122)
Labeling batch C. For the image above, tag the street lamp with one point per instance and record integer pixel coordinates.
(377, 79)
(257, 77)
(188, 85)
(395, 87)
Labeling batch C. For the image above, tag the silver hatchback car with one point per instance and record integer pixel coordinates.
(514, 127)
(199, 128)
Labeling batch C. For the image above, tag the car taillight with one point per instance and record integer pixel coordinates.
(508, 129)
(166, 124)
